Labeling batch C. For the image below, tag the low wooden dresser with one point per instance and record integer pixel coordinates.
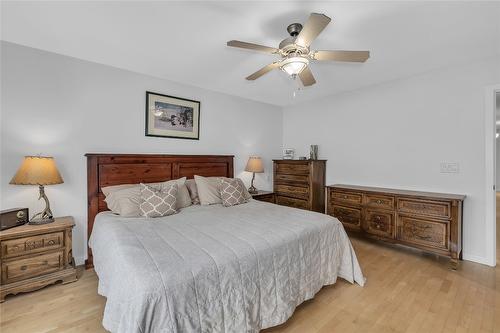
(300, 184)
(428, 221)
(266, 196)
(34, 256)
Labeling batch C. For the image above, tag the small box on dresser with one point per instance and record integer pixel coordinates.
(424, 220)
(34, 256)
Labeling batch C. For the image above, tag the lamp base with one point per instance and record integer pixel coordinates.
(253, 190)
(38, 221)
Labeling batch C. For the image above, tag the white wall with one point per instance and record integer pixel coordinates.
(397, 134)
(497, 164)
(64, 107)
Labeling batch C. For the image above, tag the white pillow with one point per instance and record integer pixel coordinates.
(125, 199)
(208, 190)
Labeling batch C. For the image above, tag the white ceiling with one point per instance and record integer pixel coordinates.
(186, 41)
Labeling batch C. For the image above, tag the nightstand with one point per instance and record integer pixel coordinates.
(34, 256)
(266, 196)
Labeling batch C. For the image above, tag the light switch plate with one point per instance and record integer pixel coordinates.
(450, 167)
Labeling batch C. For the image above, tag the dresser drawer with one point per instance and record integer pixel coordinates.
(21, 246)
(283, 178)
(423, 232)
(379, 201)
(22, 269)
(379, 223)
(292, 202)
(350, 217)
(438, 209)
(347, 197)
(292, 191)
(292, 168)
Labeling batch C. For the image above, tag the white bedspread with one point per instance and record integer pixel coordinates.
(216, 269)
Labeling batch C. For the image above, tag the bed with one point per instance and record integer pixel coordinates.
(207, 268)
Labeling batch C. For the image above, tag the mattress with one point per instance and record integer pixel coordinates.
(215, 268)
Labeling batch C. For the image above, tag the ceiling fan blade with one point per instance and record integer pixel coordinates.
(251, 46)
(263, 70)
(351, 56)
(313, 27)
(306, 76)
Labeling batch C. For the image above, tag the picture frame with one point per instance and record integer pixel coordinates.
(172, 117)
(288, 153)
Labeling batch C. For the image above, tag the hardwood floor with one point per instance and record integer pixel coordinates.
(406, 291)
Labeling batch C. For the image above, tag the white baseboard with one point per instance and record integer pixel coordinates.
(478, 259)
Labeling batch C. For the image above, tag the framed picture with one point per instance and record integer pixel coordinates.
(172, 117)
(288, 153)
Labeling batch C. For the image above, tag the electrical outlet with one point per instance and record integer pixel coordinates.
(447, 167)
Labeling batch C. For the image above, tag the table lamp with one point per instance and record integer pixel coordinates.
(38, 170)
(254, 165)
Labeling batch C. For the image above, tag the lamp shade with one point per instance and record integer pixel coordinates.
(37, 170)
(254, 164)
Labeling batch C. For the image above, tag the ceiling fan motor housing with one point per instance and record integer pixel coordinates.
(288, 46)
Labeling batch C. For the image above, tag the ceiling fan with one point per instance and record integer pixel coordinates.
(296, 54)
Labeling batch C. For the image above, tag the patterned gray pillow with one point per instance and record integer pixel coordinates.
(158, 201)
(232, 192)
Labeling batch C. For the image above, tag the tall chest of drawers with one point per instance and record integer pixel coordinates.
(300, 184)
(428, 221)
(33, 256)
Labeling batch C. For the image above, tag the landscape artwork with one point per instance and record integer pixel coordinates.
(172, 117)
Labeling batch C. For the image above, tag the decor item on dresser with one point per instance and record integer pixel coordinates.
(288, 153)
(172, 117)
(39, 170)
(34, 256)
(313, 154)
(300, 184)
(14, 217)
(254, 165)
(266, 196)
(425, 220)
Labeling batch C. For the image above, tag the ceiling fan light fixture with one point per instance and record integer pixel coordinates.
(294, 65)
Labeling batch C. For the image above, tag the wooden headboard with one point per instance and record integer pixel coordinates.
(115, 169)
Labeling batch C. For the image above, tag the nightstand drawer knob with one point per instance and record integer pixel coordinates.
(24, 267)
(51, 242)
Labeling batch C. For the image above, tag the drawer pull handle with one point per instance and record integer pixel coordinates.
(24, 267)
(51, 242)
(377, 226)
(423, 237)
(345, 196)
(377, 218)
(379, 201)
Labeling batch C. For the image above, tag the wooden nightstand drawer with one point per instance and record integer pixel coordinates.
(33, 256)
(22, 269)
(39, 243)
(379, 201)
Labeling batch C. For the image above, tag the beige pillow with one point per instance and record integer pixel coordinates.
(193, 191)
(157, 202)
(125, 199)
(232, 192)
(208, 190)
(246, 194)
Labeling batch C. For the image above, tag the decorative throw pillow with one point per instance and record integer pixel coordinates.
(193, 191)
(124, 199)
(156, 202)
(208, 189)
(232, 192)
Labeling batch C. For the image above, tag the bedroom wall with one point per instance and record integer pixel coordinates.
(397, 134)
(65, 107)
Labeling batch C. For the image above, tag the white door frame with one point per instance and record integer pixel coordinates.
(490, 168)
